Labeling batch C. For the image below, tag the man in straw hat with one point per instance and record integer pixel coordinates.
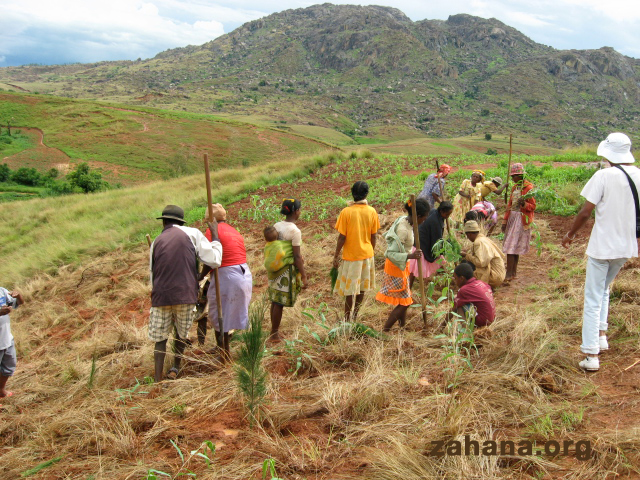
(174, 293)
(485, 255)
(613, 238)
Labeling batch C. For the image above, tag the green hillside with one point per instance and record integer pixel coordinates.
(135, 145)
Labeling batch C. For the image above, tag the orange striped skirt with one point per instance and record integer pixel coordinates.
(395, 285)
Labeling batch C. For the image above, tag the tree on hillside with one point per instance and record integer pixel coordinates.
(86, 179)
(5, 172)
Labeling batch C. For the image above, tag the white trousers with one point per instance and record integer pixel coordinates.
(600, 274)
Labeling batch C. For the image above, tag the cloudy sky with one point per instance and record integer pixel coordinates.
(67, 31)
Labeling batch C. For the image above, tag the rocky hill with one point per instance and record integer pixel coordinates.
(371, 71)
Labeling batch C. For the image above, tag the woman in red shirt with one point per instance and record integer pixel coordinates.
(235, 278)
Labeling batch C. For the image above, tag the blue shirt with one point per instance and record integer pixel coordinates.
(430, 187)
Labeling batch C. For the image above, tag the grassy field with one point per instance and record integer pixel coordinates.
(137, 145)
(42, 234)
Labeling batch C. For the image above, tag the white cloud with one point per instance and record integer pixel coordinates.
(46, 31)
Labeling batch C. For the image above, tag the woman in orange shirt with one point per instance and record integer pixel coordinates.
(357, 226)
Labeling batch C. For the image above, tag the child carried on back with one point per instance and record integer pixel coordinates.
(278, 254)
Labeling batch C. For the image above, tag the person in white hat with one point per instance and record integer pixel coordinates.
(613, 238)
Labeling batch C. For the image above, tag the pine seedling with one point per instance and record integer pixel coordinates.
(250, 374)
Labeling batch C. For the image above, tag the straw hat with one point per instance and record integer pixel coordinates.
(616, 148)
(471, 227)
(219, 213)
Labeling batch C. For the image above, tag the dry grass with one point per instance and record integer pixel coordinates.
(358, 407)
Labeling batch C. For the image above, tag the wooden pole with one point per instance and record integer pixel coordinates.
(225, 339)
(148, 240)
(414, 217)
(442, 192)
(508, 169)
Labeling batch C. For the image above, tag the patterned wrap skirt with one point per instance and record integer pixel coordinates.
(355, 277)
(395, 285)
(516, 237)
(284, 288)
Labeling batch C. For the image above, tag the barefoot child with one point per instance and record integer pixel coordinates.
(8, 301)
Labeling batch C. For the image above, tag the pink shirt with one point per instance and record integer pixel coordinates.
(479, 294)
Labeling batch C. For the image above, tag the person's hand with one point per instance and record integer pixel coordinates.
(463, 253)
(503, 227)
(567, 240)
(305, 284)
(520, 202)
(213, 228)
(417, 255)
(5, 310)
(15, 294)
(336, 262)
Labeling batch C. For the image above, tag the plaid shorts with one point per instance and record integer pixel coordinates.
(162, 319)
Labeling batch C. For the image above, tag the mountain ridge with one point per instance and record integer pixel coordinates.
(370, 71)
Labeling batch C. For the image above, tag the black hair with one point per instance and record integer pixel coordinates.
(290, 206)
(471, 215)
(464, 270)
(360, 190)
(445, 207)
(469, 262)
(422, 207)
(268, 231)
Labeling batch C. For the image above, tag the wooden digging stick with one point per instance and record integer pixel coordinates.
(414, 217)
(148, 240)
(508, 170)
(443, 196)
(215, 270)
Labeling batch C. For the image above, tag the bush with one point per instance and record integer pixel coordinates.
(487, 136)
(5, 172)
(27, 176)
(484, 112)
(87, 180)
(491, 151)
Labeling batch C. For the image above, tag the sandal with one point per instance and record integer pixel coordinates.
(172, 374)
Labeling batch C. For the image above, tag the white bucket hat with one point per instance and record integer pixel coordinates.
(616, 148)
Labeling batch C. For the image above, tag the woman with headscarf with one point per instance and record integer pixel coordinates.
(468, 196)
(236, 283)
(433, 190)
(518, 219)
(488, 215)
(395, 289)
(357, 227)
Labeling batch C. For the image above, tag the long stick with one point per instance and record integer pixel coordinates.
(632, 365)
(508, 168)
(225, 341)
(442, 192)
(149, 240)
(414, 216)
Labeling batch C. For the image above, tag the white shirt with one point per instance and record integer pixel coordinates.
(5, 327)
(614, 233)
(289, 231)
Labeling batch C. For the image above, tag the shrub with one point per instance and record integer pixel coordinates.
(487, 136)
(491, 151)
(5, 172)
(87, 180)
(27, 176)
(484, 112)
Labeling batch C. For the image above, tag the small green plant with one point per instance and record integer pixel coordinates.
(41, 466)
(206, 451)
(491, 151)
(269, 470)
(487, 136)
(94, 368)
(296, 357)
(179, 409)
(542, 426)
(250, 374)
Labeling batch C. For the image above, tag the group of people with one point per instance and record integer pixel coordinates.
(178, 283)
(176, 251)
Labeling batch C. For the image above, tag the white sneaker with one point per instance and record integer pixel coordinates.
(604, 345)
(591, 364)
